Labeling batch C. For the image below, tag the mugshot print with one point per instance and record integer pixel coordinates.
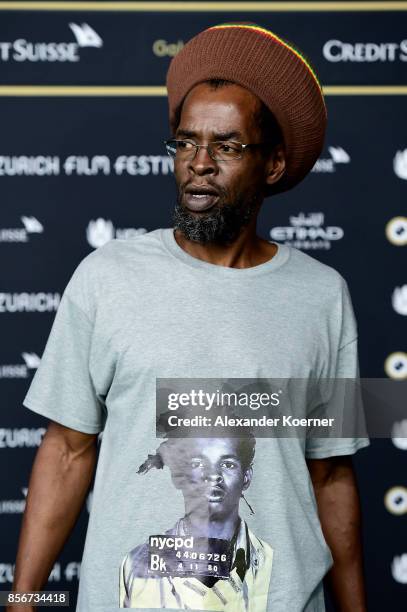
(210, 559)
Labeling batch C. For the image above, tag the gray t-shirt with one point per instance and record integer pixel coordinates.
(140, 309)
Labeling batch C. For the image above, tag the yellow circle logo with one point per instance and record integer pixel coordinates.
(396, 231)
(395, 500)
(395, 365)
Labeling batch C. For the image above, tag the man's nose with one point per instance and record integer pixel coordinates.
(203, 162)
(213, 476)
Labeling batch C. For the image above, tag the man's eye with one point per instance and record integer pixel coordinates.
(196, 463)
(229, 464)
(228, 147)
(184, 145)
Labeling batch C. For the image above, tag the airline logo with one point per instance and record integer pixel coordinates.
(400, 164)
(23, 50)
(20, 370)
(396, 231)
(31, 225)
(100, 231)
(326, 165)
(399, 300)
(395, 500)
(336, 51)
(308, 232)
(395, 366)
(399, 434)
(399, 568)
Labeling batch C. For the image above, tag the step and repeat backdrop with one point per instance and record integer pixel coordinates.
(83, 115)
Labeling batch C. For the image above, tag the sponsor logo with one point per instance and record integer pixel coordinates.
(131, 165)
(29, 165)
(21, 437)
(338, 51)
(399, 569)
(307, 232)
(399, 434)
(399, 300)
(396, 231)
(68, 572)
(338, 155)
(31, 225)
(400, 164)
(83, 165)
(395, 500)
(14, 506)
(29, 302)
(85, 35)
(162, 48)
(101, 231)
(23, 50)
(395, 365)
(20, 370)
(142, 165)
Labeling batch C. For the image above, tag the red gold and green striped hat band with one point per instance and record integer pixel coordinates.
(274, 70)
(274, 36)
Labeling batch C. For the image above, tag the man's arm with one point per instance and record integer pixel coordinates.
(60, 478)
(337, 497)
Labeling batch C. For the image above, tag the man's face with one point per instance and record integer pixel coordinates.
(226, 113)
(210, 473)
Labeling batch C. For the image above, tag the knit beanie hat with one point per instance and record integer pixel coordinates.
(273, 70)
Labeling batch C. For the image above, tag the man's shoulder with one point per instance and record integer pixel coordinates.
(117, 253)
(110, 264)
(310, 273)
(116, 248)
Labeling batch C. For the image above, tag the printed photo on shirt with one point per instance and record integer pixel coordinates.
(210, 559)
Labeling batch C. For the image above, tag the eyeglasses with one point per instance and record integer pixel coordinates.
(223, 150)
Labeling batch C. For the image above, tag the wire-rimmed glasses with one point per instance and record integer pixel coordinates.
(220, 150)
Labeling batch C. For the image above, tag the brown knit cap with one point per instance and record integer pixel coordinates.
(273, 70)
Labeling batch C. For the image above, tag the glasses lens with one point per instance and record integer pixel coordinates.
(181, 149)
(226, 150)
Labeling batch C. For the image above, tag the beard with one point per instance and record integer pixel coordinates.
(222, 224)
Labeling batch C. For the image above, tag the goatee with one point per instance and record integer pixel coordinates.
(221, 224)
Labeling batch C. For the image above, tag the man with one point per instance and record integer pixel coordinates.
(212, 474)
(210, 300)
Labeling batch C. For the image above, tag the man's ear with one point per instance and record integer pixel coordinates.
(247, 478)
(276, 165)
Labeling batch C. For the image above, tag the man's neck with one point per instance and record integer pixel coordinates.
(223, 529)
(246, 251)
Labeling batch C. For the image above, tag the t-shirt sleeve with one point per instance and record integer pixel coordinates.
(345, 365)
(62, 388)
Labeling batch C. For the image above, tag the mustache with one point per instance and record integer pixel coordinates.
(221, 190)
